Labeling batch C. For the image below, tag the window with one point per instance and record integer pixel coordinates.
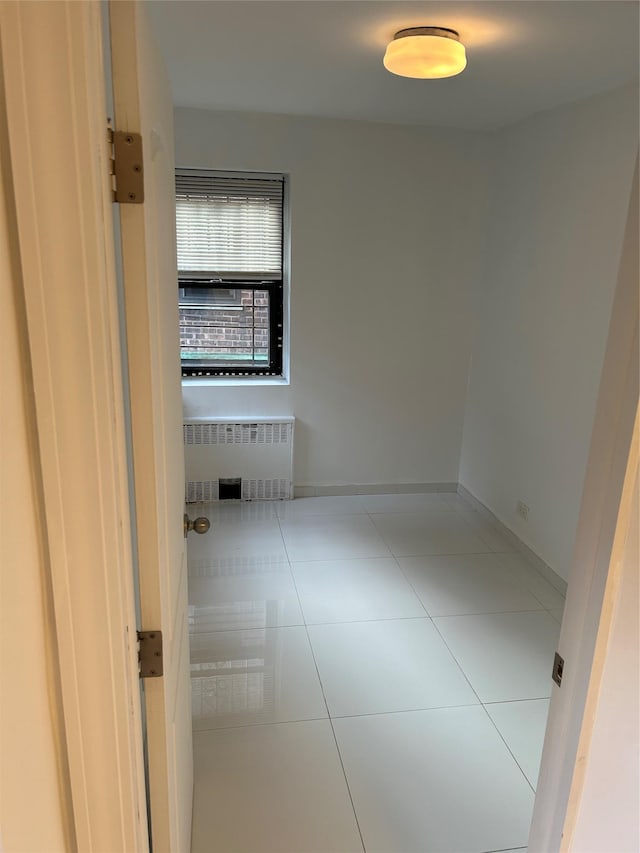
(230, 236)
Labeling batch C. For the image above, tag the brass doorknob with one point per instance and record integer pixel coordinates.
(199, 525)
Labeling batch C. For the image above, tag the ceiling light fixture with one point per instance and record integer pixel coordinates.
(426, 53)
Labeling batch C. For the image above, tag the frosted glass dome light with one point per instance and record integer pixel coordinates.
(427, 53)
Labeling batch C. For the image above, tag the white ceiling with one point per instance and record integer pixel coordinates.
(311, 58)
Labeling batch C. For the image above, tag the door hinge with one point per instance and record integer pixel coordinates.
(150, 654)
(126, 166)
(558, 666)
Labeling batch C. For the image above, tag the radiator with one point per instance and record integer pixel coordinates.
(249, 459)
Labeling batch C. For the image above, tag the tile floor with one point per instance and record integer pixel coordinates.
(368, 673)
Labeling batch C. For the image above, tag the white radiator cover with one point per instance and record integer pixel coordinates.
(257, 451)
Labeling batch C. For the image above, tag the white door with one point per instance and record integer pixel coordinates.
(142, 102)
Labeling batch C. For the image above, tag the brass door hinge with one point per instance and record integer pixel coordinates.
(126, 166)
(150, 654)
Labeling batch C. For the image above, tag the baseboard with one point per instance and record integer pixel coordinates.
(327, 490)
(537, 562)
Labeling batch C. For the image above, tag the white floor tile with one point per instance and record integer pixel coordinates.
(523, 725)
(354, 590)
(235, 511)
(252, 597)
(434, 781)
(548, 596)
(471, 583)
(428, 532)
(332, 538)
(505, 656)
(233, 544)
(404, 502)
(557, 613)
(333, 505)
(376, 667)
(271, 789)
(258, 676)
(267, 774)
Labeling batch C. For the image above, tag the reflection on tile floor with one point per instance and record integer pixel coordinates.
(260, 596)
(368, 672)
(266, 675)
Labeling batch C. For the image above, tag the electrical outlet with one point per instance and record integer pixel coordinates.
(523, 510)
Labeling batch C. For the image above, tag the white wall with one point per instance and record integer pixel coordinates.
(559, 203)
(387, 237)
(30, 803)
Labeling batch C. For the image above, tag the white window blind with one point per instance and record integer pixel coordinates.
(229, 227)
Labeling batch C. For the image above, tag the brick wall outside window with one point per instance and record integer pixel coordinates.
(225, 331)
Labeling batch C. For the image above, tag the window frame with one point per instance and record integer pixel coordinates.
(276, 372)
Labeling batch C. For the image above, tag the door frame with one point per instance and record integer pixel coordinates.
(51, 54)
(143, 104)
(59, 157)
(603, 526)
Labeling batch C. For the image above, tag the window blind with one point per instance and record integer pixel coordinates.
(229, 227)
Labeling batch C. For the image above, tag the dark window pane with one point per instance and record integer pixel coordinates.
(222, 328)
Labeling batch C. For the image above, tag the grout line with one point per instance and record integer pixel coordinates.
(555, 618)
(477, 532)
(426, 616)
(515, 701)
(304, 623)
(420, 710)
(402, 556)
(346, 781)
(405, 711)
(445, 616)
(386, 557)
(488, 613)
(295, 586)
(528, 569)
(333, 731)
(307, 516)
(415, 592)
(493, 723)
(506, 850)
(420, 617)
(458, 664)
(485, 710)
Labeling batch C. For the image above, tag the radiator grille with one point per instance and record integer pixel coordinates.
(202, 491)
(258, 433)
(206, 491)
(266, 490)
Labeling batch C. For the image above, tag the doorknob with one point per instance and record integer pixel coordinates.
(200, 525)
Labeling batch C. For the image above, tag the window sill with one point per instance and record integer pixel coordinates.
(244, 382)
